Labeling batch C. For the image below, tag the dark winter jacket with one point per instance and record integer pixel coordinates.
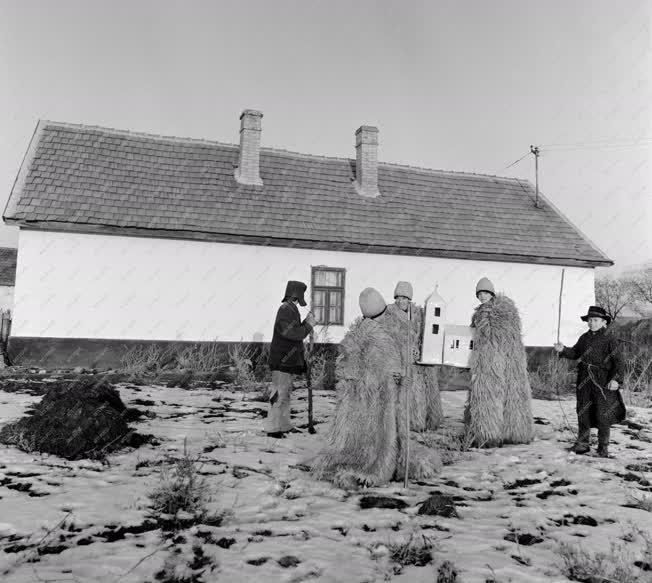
(600, 361)
(286, 352)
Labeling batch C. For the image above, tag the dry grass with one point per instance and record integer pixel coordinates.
(181, 489)
(241, 358)
(179, 567)
(446, 375)
(202, 357)
(142, 358)
(641, 501)
(447, 573)
(321, 360)
(153, 358)
(452, 443)
(615, 566)
(552, 379)
(637, 381)
(416, 550)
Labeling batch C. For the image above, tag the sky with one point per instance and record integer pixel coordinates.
(453, 85)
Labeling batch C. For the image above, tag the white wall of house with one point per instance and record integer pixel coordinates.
(104, 286)
(6, 297)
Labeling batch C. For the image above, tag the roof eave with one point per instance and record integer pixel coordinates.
(572, 225)
(14, 196)
(107, 229)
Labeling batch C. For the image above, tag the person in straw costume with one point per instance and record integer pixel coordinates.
(499, 405)
(425, 399)
(367, 437)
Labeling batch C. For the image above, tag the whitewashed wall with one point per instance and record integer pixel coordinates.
(100, 286)
(6, 297)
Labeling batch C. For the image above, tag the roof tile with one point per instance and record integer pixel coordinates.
(97, 176)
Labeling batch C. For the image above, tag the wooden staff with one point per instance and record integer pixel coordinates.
(311, 426)
(561, 291)
(407, 399)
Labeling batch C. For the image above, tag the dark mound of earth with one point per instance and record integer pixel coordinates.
(84, 418)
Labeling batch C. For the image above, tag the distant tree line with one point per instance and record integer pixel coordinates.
(633, 291)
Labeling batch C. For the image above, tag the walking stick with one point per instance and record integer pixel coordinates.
(561, 291)
(407, 400)
(311, 426)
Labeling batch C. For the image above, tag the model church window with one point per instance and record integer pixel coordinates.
(327, 291)
(435, 328)
(437, 312)
(471, 345)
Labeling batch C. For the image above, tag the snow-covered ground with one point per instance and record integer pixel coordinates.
(87, 521)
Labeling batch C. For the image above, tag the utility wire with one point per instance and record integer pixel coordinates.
(599, 143)
(515, 162)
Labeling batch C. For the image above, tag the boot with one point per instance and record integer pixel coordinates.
(581, 445)
(580, 448)
(603, 441)
(603, 450)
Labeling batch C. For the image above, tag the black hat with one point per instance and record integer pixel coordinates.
(294, 290)
(597, 312)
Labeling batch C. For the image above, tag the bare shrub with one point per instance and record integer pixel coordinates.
(142, 358)
(637, 378)
(202, 357)
(241, 357)
(181, 490)
(262, 372)
(552, 379)
(321, 358)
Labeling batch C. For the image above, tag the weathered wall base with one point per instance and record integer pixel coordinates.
(102, 354)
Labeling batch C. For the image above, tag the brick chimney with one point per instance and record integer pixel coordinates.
(366, 161)
(248, 170)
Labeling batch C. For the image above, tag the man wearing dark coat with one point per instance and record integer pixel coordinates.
(599, 376)
(286, 356)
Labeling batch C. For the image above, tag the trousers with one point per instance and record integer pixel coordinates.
(595, 408)
(278, 418)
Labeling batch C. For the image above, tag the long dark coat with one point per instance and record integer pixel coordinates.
(286, 353)
(600, 361)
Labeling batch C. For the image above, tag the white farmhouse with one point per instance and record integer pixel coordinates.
(129, 238)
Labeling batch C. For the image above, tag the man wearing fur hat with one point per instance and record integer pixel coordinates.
(286, 356)
(499, 404)
(599, 376)
(425, 399)
(367, 437)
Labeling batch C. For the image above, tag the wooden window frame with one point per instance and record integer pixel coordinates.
(326, 289)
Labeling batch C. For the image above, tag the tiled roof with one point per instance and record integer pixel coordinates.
(8, 266)
(89, 178)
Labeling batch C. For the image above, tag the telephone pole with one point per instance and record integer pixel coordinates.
(535, 150)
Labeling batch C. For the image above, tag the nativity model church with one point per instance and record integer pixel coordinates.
(444, 343)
